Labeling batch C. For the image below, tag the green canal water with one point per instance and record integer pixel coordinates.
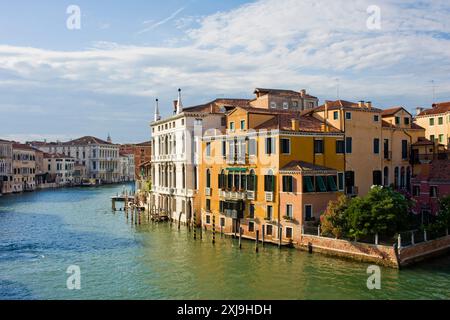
(43, 233)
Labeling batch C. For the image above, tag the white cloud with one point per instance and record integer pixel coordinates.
(278, 43)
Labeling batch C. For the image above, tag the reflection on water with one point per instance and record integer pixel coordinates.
(43, 233)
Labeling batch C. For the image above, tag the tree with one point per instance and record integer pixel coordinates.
(333, 221)
(382, 211)
(443, 218)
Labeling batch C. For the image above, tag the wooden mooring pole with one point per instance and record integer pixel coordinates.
(240, 238)
(257, 241)
(214, 229)
(195, 227)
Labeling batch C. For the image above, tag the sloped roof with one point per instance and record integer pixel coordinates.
(216, 105)
(283, 92)
(439, 172)
(423, 142)
(392, 111)
(338, 104)
(307, 123)
(437, 108)
(303, 166)
(87, 140)
(21, 146)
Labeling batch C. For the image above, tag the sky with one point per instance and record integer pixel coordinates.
(59, 82)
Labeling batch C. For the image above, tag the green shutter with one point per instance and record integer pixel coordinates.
(332, 184)
(308, 184)
(321, 184)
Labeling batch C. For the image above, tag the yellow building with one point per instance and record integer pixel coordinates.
(377, 143)
(436, 122)
(269, 172)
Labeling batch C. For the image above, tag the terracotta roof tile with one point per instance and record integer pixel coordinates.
(307, 123)
(305, 167)
(437, 108)
(391, 111)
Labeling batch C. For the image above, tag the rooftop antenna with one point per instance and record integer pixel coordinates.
(433, 86)
(338, 89)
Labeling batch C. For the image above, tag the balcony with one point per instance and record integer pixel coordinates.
(233, 195)
(250, 195)
(269, 196)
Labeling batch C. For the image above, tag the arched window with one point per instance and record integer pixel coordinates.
(402, 178)
(386, 176)
(269, 182)
(408, 178)
(251, 183)
(396, 177)
(184, 176)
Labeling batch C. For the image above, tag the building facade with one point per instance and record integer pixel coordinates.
(6, 167)
(175, 155)
(127, 166)
(269, 171)
(377, 144)
(436, 122)
(100, 158)
(24, 168)
(60, 169)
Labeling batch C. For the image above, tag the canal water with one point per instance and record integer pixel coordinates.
(43, 233)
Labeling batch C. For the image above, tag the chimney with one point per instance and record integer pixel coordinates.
(179, 103)
(369, 104)
(295, 125)
(419, 110)
(157, 115)
(361, 104)
(302, 93)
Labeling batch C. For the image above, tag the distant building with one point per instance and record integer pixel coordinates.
(60, 168)
(436, 122)
(100, 158)
(126, 166)
(142, 154)
(24, 168)
(278, 99)
(6, 168)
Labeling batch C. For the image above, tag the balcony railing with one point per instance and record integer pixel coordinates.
(269, 196)
(352, 191)
(233, 195)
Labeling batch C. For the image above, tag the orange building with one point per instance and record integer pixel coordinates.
(270, 171)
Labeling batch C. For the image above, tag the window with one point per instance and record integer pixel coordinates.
(289, 212)
(269, 230)
(432, 137)
(397, 120)
(251, 226)
(208, 205)
(208, 219)
(308, 185)
(224, 148)
(208, 149)
(441, 138)
(348, 116)
(208, 178)
(269, 183)
(289, 232)
(286, 146)
(377, 180)
(431, 121)
(321, 184)
(440, 121)
(242, 124)
(406, 121)
(348, 145)
(433, 192)
(222, 222)
(231, 126)
(318, 146)
(295, 104)
(251, 211)
(376, 118)
(336, 115)
(376, 146)
(340, 146)
(273, 105)
(404, 149)
(288, 184)
(416, 191)
(270, 145)
(269, 213)
(308, 212)
(252, 147)
(285, 105)
(341, 181)
(251, 181)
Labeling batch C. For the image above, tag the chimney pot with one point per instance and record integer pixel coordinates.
(295, 125)
(361, 103)
(302, 92)
(369, 104)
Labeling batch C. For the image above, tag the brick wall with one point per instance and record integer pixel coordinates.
(384, 255)
(418, 252)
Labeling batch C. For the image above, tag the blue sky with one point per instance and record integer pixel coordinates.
(57, 83)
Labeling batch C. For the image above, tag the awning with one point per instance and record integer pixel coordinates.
(237, 169)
